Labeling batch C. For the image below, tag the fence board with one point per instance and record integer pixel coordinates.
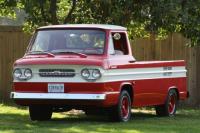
(166, 49)
(1, 67)
(138, 48)
(158, 47)
(12, 46)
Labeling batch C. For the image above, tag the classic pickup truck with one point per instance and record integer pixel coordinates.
(91, 67)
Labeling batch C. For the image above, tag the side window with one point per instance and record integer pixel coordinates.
(111, 50)
(120, 43)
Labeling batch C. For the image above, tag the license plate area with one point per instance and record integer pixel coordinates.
(56, 88)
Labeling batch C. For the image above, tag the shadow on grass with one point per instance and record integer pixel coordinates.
(140, 122)
(73, 123)
(101, 118)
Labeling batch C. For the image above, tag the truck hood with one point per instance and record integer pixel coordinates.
(62, 60)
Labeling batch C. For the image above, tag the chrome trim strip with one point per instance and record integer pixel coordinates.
(59, 96)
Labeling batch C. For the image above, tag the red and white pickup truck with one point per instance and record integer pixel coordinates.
(91, 67)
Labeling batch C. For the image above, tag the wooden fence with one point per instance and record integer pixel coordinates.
(13, 43)
(174, 47)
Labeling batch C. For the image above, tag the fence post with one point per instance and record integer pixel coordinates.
(193, 76)
(198, 74)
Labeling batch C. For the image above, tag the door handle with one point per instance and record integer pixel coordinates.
(131, 61)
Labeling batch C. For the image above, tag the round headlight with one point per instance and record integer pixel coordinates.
(85, 73)
(28, 73)
(96, 74)
(17, 73)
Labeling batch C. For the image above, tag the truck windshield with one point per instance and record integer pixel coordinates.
(69, 41)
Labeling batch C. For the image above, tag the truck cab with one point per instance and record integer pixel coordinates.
(91, 67)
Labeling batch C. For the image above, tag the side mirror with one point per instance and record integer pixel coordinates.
(116, 36)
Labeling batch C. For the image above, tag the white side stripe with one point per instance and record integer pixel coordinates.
(151, 72)
(110, 75)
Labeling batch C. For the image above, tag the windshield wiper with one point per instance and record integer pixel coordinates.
(40, 52)
(71, 52)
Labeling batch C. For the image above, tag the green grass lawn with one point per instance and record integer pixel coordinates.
(14, 120)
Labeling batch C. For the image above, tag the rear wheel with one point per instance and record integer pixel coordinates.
(40, 113)
(170, 106)
(122, 111)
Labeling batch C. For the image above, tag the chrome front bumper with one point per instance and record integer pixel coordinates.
(57, 96)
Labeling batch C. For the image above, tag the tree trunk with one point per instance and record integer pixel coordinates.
(42, 11)
(53, 10)
(68, 18)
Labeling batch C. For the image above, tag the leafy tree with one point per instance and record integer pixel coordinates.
(176, 16)
(40, 12)
(190, 21)
(121, 12)
(145, 16)
(141, 17)
(6, 11)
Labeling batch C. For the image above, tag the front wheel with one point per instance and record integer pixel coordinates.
(122, 111)
(170, 106)
(40, 113)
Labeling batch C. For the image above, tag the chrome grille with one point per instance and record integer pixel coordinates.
(57, 72)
